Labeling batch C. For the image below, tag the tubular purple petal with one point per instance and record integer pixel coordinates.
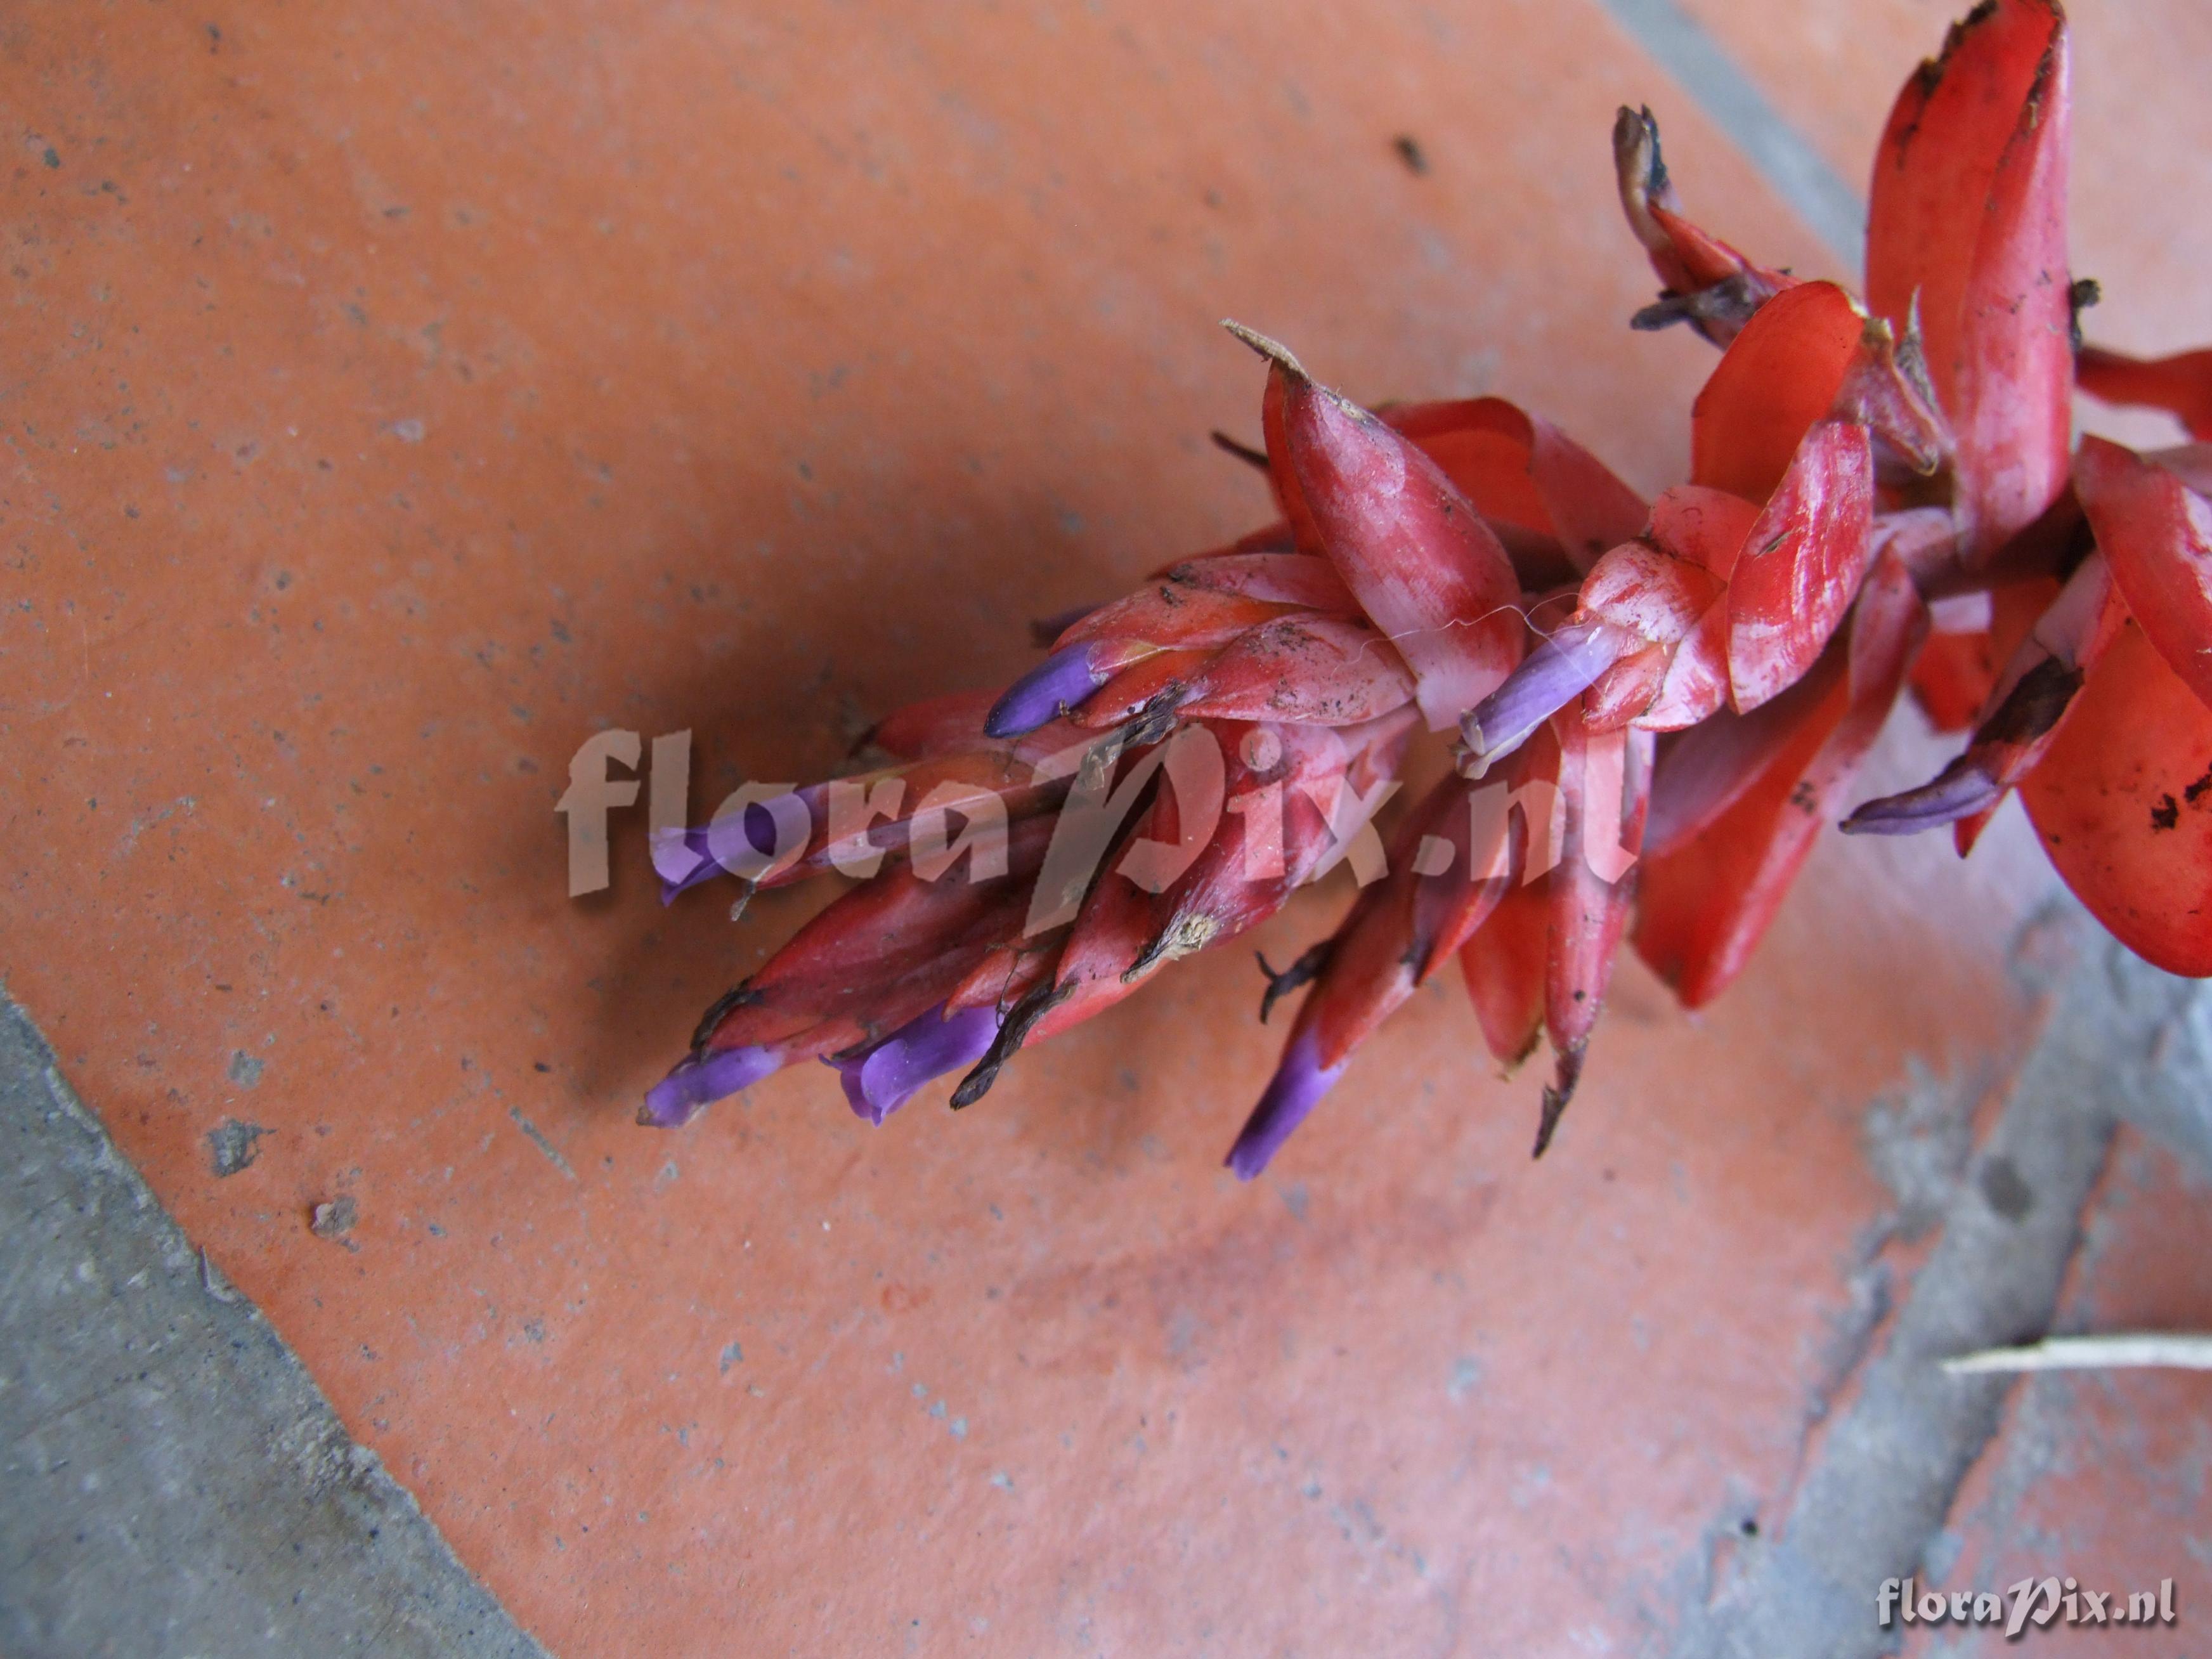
(1042, 695)
(1959, 791)
(1297, 1088)
(884, 1077)
(700, 1079)
(756, 827)
(1549, 677)
(686, 855)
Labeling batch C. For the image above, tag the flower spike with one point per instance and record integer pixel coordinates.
(1658, 705)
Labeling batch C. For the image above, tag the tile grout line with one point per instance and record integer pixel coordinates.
(1891, 1463)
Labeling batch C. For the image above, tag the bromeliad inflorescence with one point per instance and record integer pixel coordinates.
(1657, 704)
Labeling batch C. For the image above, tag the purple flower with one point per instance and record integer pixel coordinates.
(1295, 1088)
(682, 860)
(1054, 686)
(687, 858)
(1549, 677)
(700, 1079)
(1959, 791)
(880, 1081)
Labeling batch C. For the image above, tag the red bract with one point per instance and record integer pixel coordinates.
(1967, 220)
(2181, 384)
(1418, 557)
(1658, 706)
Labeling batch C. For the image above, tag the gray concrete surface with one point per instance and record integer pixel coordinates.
(2125, 1042)
(172, 1483)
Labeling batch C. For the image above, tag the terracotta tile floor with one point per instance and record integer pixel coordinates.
(397, 398)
